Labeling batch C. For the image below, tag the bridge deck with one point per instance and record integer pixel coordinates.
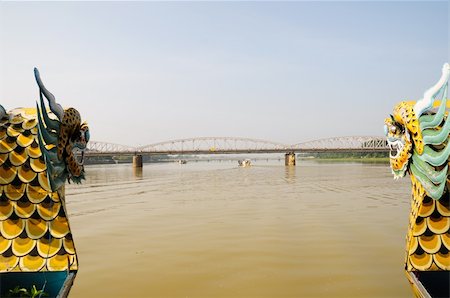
(267, 151)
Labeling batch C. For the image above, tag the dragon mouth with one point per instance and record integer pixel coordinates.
(79, 155)
(399, 155)
(81, 161)
(396, 148)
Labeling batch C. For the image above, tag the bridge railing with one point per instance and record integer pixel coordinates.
(212, 144)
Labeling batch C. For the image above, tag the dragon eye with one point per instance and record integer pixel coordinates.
(393, 129)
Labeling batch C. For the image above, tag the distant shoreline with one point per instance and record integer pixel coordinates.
(350, 159)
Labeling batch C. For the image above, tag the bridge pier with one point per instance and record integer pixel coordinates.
(289, 159)
(137, 161)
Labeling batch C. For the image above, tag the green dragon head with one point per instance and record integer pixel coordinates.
(62, 139)
(417, 134)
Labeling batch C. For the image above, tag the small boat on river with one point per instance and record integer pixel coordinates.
(244, 163)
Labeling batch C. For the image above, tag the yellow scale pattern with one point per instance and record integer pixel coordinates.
(34, 228)
(428, 238)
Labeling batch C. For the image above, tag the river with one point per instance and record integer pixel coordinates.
(216, 230)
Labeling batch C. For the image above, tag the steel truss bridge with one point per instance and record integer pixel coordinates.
(236, 145)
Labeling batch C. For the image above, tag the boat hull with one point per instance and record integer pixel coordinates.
(55, 284)
(426, 284)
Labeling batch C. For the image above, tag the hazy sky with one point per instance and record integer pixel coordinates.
(144, 72)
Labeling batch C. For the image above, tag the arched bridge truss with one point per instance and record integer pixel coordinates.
(236, 145)
(350, 143)
(94, 147)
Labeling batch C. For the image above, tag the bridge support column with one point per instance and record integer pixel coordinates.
(137, 161)
(289, 159)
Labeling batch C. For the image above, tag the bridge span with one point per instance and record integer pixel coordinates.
(237, 145)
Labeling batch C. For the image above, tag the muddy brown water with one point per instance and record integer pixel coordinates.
(217, 230)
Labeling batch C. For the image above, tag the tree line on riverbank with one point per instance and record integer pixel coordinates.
(349, 155)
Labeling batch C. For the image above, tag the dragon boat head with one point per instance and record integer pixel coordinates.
(399, 140)
(63, 139)
(404, 128)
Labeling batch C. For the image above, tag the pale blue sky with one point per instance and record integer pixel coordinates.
(144, 72)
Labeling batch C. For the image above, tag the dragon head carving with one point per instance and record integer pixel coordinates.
(63, 138)
(409, 128)
(398, 132)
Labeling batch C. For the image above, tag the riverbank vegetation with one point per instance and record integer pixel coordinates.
(382, 157)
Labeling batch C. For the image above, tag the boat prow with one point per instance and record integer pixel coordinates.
(39, 152)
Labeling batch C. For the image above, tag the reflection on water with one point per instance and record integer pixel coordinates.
(290, 174)
(137, 172)
(217, 230)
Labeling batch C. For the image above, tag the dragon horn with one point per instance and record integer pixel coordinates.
(50, 123)
(428, 97)
(54, 106)
(48, 136)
